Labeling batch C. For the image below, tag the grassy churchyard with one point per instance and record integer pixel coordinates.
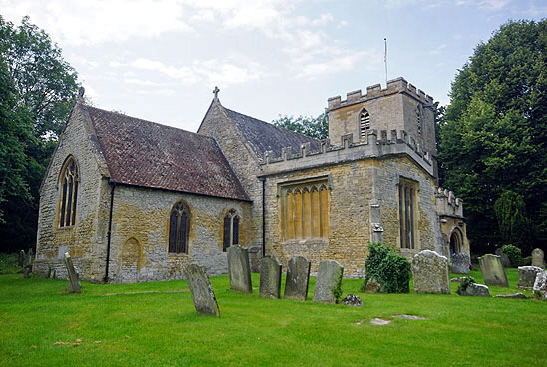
(155, 324)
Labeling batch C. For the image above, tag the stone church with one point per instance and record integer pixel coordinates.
(133, 200)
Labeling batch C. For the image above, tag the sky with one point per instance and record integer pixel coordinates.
(160, 60)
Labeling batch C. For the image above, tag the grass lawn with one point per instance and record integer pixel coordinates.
(161, 328)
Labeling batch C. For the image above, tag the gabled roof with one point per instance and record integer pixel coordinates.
(143, 153)
(263, 136)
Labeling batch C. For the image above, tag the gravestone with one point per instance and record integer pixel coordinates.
(492, 270)
(353, 300)
(270, 277)
(475, 289)
(430, 272)
(239, 269)
(202, 292)
(73, 281)
(537, 258)
(527, 276)
(460, 263)
(298, 278)
(328, 282)
(540, 285)
(21, 260)
(503, 258)
(255, 254)
(30, 258)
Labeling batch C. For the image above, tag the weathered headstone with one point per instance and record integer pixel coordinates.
(430, 272)
(475, 289)
(239, 269)
(527, 276)
(30, 258)
(21, 260)
(73, 281)
(492, 270)
(298, 278)
(270, 277)
(353, 300)
(538, 258)
(460, 263)
(328, 284)
(255, 254)
(540, 285)
(202, 292)
(503, 258)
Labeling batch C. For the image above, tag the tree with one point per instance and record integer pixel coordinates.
(493, 135)
(513, 223)
(317, 127)
(38, 91)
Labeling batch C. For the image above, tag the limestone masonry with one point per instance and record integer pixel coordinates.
(135, 201)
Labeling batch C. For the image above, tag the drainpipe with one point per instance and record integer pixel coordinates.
(109, 231)
(263, 179)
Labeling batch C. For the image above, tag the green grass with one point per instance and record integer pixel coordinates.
(163, 329)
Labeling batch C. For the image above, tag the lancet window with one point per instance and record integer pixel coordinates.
(364, 123)
(179, 227)
(69, 193)
(231, 229)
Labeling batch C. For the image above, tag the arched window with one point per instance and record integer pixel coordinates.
(455, 242)
(364, 123)
(69, 193)
(179, 225)
(231, 230)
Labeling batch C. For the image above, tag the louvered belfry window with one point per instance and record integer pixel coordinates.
(69, 194)
(407, 207)
(364, 123)
(179, 224)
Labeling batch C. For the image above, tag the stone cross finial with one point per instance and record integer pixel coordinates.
(81, 92)
(216, 93)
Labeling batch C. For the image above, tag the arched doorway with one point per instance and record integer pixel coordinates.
(456, 241)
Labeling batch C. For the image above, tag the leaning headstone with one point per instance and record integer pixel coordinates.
(328, 284)
(474, 289)
(21, 260)
(430, 272)
(503, 258)
(492, 270)
(73, 281)
(202, 292)
(460, 263)
(270, 277)
(537, 258)
(527, 276)
(298, 278)
(540, 285)
(239, 269)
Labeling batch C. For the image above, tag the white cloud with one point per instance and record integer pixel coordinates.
(438, 50)
(348, 61)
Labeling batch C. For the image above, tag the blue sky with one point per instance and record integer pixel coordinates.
(161, 59)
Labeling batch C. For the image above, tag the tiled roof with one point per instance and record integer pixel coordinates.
(147, 154)
(263, 136)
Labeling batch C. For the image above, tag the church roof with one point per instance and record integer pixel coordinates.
(147, 154)
(263, 136)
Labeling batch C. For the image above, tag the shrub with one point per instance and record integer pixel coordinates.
(513, 253)
(466, 282)
(390, 270)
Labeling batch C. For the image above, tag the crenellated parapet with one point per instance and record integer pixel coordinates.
(448, 204)
(398, 85)
(377, 144)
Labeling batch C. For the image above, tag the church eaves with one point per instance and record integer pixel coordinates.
(147, 154)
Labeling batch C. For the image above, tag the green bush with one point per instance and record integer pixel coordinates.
(8, 264)
(513, 253)
(390, 270)
(466, 282)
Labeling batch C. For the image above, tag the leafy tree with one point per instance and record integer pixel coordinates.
(317, 127)
(493, 135)
(513, 223)
(38, 90)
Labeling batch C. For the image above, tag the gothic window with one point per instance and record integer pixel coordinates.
(407, 211)
(419, 120)
(69, 193)
(179, 226)
(364, 123)
(231, 230)
(304, 209)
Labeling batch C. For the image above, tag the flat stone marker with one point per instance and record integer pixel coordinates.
(73, 281)
(527, 276)
(492, 270)
(538, 258)
(298, 278)
(430, 272)
(329, 278)
(239, 269)
(202, 292)
(460, 263)
(270, 277)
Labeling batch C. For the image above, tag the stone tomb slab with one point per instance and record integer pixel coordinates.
(527, 276)
(298, 278)
(202, 292)
(492, 270)
(460, 263)
(270, 277)
(538, 258)
(329, 279)
(73, 279)
(239, 269)
(430, 272)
